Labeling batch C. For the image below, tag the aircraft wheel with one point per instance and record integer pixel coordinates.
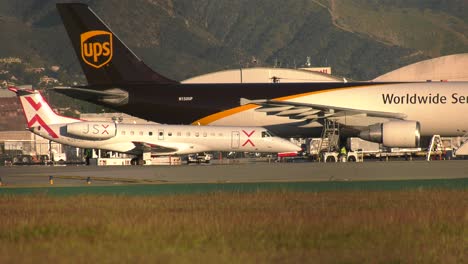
(25, 159)
(352, 159)
(134, 161)
(330, 159)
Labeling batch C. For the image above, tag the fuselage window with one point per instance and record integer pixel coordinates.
(161, 134)
(212, 134)
(169, 134)
(220, 134)
(197, 134)
(205, 134)
(132, 133)
(150, 133)
(179, 134)
(141, 133)
(123, 132)
(188, 134)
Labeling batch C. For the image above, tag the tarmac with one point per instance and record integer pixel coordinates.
(73, 175)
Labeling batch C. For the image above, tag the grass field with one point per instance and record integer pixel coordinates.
(407, 226)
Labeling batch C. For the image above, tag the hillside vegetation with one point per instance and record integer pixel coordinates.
(359, 39)
(420, 27)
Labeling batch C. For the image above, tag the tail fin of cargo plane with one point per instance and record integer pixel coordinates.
(37, 111)
(104, 58)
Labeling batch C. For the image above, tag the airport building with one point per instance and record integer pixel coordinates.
(267, 75)
(451, 68)
(11, 112)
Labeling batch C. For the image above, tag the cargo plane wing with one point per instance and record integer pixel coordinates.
(313, 112)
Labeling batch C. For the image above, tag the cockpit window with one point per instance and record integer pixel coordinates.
(266, 134)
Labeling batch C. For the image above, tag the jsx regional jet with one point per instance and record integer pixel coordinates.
(395, 114)
(138, 139)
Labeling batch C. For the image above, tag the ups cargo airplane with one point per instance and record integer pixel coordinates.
(395, 114)
(137, 139)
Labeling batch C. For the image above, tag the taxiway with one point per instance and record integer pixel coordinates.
(236, 173)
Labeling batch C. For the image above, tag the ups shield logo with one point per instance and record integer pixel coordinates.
(96, 48)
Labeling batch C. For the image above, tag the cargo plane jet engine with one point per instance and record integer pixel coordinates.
(403, 134)
(92, 130)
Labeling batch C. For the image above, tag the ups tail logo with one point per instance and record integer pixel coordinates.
(96, 48)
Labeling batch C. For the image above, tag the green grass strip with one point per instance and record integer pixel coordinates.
(162, 189)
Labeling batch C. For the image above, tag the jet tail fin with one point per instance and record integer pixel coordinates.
(37, 110)
(104, 58)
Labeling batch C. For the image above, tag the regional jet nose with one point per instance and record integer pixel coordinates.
(297, 148)
(289, 146)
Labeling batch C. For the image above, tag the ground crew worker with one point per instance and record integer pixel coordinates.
(88, 154)
(343, 153)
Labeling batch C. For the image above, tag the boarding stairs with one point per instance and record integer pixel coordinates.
(330, 138)
(435, 147)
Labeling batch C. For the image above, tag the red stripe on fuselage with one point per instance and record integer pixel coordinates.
(248, 134)
(248, 140)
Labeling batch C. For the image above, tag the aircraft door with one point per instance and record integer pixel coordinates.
(160, 134)
(235, 139)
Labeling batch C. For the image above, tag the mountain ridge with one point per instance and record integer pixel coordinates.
(183, 38)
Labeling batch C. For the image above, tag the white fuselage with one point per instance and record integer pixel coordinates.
(168, 139)
(439, 107)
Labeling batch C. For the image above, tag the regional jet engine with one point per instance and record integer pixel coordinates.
(403, 134)
(92, 130)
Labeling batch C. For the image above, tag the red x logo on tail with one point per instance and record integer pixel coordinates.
(37, 119)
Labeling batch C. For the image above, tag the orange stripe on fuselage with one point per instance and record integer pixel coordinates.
(211, 118)
(217, 116)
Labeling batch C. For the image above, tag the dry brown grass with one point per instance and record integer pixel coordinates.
(428, 226)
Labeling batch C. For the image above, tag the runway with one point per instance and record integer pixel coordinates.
(237, 173)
